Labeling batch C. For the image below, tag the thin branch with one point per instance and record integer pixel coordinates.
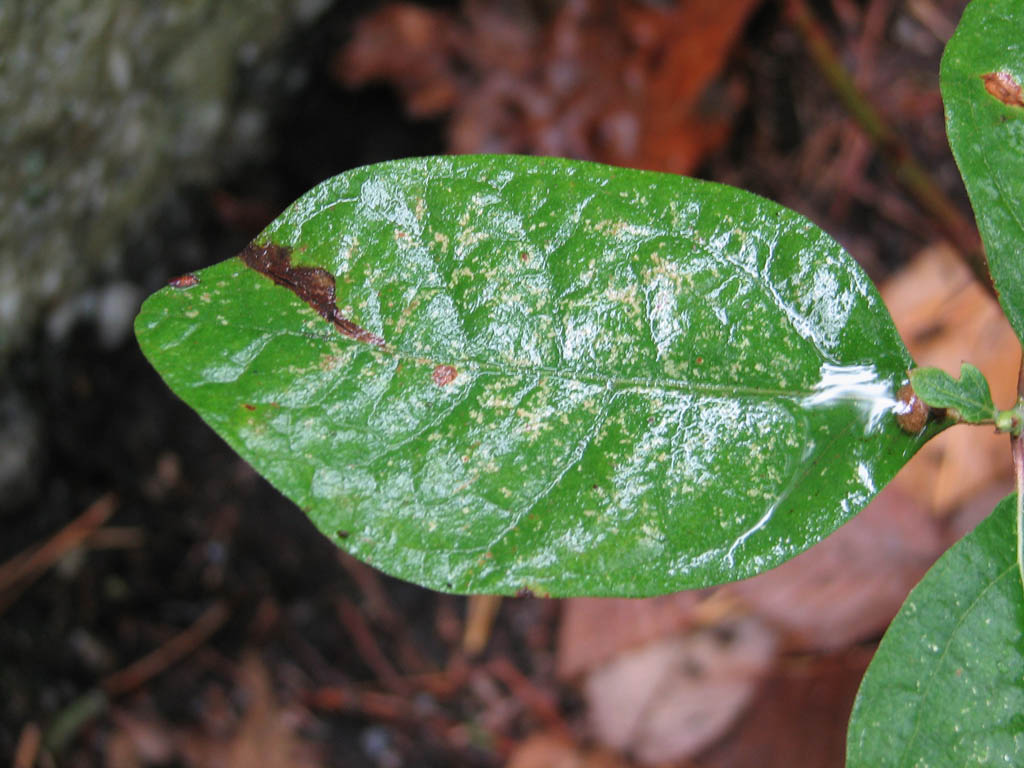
(367, 647)
(27, 750)
(94, 702)
(1017, 451)
(481, 611)
(18, 573)
(182, 644)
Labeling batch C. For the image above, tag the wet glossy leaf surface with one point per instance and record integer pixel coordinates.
(545, 375)
(982, 74)
(969, 395)
(946, 686)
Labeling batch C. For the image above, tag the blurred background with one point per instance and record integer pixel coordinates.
(161, 605)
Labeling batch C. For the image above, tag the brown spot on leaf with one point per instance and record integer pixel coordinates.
(249, 406)
(342, 534)
(313, 285)
(183, 281)
(1004, 86)
(912, 414)
(444, 374)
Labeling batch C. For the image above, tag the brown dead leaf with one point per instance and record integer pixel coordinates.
(264, 735)
(139, 741)
(626, 83)
(267, 734)
(543, 750)
(410, 47)
(946, 318)
(593, 630)
(843, 590)
(798, 717)
(671, 698)
(846, 588)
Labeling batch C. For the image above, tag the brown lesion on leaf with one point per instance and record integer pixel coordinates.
(911, 413)
(313, 285)
(1004, 86)
(444, 374)
(183, 281)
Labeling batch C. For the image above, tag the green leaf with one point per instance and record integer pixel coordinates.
(969, 398)
(981, 78)
(946, 686)
(545, 374)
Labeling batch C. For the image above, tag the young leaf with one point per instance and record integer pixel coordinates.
(969, 397)
(981, 77)
(501, 373)
(945, 686)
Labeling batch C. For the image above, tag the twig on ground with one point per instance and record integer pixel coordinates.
(481, 611)
(541, 703)
(911, 174)
(372, 704)
(367, 647)
(22, 570)
(117, 537)
(94, 702)
(379, 607)
(28, 746)
(175, 649)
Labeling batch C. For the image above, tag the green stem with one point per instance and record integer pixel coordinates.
(1010, 421)
(1017, 451)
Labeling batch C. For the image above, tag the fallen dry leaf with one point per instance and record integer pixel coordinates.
(798, 717)
(843, 590)
(543, 750)
(671, 698)
(846, 588)
(594, 629)
(265, 735)
(626, 83)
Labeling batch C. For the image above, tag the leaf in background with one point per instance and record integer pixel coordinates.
(946, 686)
(545, 374)
(981, 78)
(969, 397)
(648, 88)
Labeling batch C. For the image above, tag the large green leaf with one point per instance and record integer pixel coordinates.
(982, 74)
(545, 374)
(946, 686)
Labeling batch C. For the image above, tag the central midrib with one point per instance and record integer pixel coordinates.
(598, 378)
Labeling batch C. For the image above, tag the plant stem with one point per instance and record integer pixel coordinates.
(911, 174)
(1017, 451)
